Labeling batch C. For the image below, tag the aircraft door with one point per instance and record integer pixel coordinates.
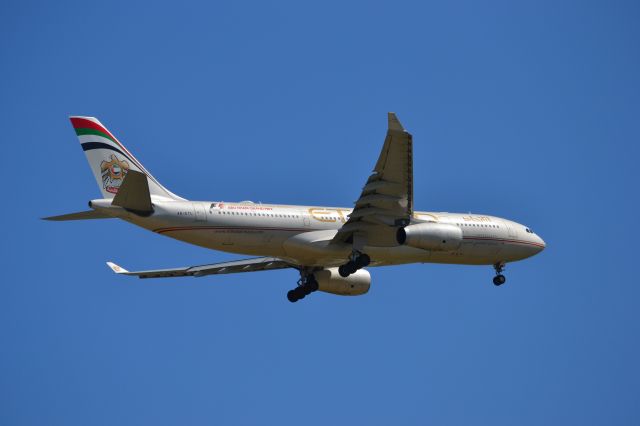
(511, 230)
(200, 212)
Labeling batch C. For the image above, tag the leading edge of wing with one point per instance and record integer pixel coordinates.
(232, 267)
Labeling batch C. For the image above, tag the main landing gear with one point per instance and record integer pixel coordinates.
(499, 279)
(356, 261)
(306, 285)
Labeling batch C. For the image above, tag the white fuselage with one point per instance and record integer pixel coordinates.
(301, 234)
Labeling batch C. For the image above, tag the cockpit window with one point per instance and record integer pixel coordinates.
(528, 230)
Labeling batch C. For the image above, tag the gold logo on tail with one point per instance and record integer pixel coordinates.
(113, 172)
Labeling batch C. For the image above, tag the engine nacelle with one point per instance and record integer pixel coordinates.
(431, 236)
(330, 281)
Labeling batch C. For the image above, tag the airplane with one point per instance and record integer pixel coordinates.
(330, 247)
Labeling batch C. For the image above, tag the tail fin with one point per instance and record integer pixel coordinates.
(109, 160)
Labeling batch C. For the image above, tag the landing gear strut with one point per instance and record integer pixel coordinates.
(306, 285)
(356, 261)
(499, 279)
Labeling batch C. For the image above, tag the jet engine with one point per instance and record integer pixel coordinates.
(330, 281)
(431, 236)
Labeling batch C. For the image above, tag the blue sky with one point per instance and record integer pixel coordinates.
(527, 111)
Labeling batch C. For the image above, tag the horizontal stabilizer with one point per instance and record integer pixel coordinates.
(89, 214)
(134, 193)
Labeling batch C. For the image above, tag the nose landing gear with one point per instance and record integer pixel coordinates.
(356, 261)
(499, 279)
(306, 285)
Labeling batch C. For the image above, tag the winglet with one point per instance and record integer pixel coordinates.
(394, 123)
(117, 269)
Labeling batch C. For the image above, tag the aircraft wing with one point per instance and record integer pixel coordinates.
(246, 265)
(386, 201)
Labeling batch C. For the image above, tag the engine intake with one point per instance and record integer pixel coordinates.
(431, 236)
(330, 281)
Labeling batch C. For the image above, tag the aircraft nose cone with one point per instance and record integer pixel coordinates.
(541, 244)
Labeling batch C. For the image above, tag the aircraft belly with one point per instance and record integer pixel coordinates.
(467, 254)
(241, 241)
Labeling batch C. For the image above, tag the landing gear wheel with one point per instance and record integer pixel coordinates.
(498, 280)
(344, 270)
(363, 260)
(306, 285)
(292, 296)
(358, 261)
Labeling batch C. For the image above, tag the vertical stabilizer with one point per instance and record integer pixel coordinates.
(109, 160)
